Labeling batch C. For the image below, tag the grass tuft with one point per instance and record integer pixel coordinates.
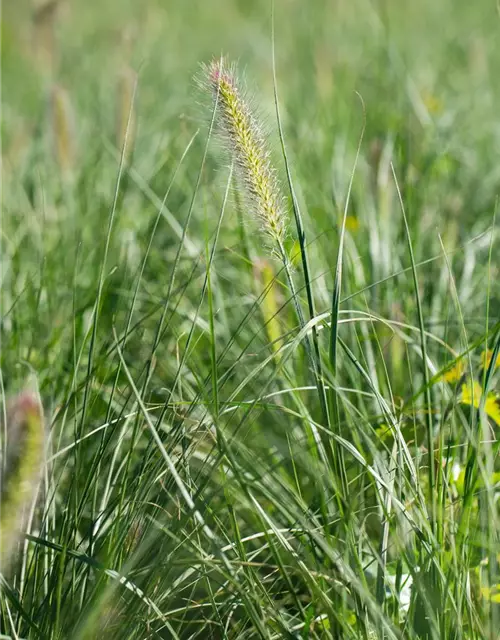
(270, 385)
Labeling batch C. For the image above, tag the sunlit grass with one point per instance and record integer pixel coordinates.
(288, 434)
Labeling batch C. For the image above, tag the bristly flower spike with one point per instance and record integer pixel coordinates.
(242, 135)
(22, 459)
(63, 129)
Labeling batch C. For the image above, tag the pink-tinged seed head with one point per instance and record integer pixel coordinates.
(25, 404)
(24, 459)
(215, 72)
(219, 74)
(240, 131)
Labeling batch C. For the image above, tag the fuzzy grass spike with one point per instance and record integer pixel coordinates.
(242, 135)
(22, 461)
(63, 130)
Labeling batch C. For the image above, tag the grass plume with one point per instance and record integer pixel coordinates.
(63, 130)
(22, 459)
(243, 137)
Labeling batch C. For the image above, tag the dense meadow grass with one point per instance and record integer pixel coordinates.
(251, 430)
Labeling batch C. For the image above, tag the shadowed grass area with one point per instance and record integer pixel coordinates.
(242, 444)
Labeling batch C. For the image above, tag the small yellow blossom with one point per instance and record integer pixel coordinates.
(454, 373)
(491, 593)
(491, 406)
(486, 357)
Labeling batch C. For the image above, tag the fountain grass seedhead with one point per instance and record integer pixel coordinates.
(23, 450)
(243, 137)
(63, 130)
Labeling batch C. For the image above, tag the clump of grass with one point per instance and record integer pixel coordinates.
(243, 136)
(185, 494)
(23, 450)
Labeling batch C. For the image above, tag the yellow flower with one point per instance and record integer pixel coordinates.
(383, 432)
(491, 406)
(491, 593)
(486, 357)
(454, 373)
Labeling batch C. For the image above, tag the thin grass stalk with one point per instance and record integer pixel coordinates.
(242, 135)
(126, 118)
(188, 500)
(425, 371)
(491, 515)
(334, 331)
(301, 235)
